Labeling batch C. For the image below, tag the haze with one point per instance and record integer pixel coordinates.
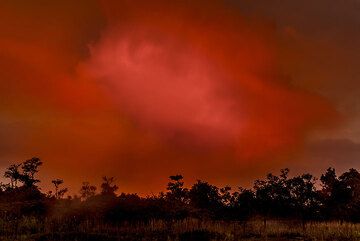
(224, 91)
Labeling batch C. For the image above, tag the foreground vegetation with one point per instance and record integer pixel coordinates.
(183, 230)
(276, 208)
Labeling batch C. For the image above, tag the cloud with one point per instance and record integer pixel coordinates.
(204, 73)
(148, 89)
(338, 152)
(320, 43)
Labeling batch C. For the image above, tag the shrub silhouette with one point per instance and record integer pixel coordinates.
(275, 196)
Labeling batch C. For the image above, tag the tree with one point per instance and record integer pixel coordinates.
(87, 190)
(108, 187)
(176, 191)
(176, 200)
(205, 196)
(13, 174)
(243, 203)
(59, 192)
(350, 181)
(304, 197)
(335, 195)
(328, 181)
(225, 195)
(272, 195)
(29, 169)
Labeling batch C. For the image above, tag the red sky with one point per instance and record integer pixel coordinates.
(218, 91)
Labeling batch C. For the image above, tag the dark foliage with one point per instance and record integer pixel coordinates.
(276, 196)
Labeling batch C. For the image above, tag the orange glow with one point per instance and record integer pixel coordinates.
(149, 91)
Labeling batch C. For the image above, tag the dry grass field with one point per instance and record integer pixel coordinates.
(31, 229)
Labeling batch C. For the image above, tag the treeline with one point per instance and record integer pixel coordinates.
(275, 196)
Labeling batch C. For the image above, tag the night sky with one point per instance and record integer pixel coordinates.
(224, 91)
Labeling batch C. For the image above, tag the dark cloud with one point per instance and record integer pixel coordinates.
(337, 152)
(341, 154)
(320, 45)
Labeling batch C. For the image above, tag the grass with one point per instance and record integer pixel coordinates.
(32, 229)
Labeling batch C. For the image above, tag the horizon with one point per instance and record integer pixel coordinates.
(319, 185)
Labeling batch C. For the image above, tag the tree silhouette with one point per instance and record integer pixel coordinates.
(176, 191)
(87, 190)
(29, 169)
(304, 199)
(225, 195)
(108, 187)
(243, 204)
(328, 180)
(59, 192)
(276, 196)
(205, 197)
(350, 182)
(27, 174)
(176, 199)
(335, 195)
(272, 195)
(13, 174)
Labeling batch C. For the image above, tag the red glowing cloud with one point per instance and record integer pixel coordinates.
(165, 84)
(203, 74)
